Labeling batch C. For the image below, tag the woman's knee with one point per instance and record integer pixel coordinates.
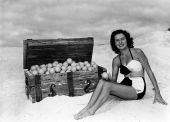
(107, 86)
(101, 81)
(105, 83)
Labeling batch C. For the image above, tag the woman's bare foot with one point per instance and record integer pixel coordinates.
(81, 112)
(83, 115)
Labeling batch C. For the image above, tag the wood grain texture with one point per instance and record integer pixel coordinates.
(43, 51)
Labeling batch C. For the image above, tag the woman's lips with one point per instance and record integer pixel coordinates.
(121, 45)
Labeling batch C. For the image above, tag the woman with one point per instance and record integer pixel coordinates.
(131, 62)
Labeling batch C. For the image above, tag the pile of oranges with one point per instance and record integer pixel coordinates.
(56, 67)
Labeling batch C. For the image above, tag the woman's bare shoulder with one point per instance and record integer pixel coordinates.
(137, 51)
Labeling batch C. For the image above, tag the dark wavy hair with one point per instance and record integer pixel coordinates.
(127, 36)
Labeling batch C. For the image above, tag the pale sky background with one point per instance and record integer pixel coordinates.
(23, 19)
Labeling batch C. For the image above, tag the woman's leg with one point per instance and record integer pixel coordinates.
(93, 98)
(96, 93)
(122, 91)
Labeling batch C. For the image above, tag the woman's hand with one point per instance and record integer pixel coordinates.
(110, 77)
(106, 76)
(158, 98)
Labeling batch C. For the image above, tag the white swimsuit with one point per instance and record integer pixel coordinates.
(134, 76)
(137, 82)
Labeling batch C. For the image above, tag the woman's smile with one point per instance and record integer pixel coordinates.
(121, 45)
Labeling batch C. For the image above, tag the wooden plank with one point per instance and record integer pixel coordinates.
(44, 95)
(80, 77)
(44, 51)
(48, 47)
(59, 90)
(56, 77)
(38, 92)
(78, 82)
(48, 84)
(32, 91)
(87, 40)
(25, 54)
(31, 81)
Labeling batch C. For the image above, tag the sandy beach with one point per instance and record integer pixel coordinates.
(15, 107)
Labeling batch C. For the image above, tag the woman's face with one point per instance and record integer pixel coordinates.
(120, 41)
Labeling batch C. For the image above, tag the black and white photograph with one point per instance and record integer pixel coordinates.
(84, 60)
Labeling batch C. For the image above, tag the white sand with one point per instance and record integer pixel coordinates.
(15, 107)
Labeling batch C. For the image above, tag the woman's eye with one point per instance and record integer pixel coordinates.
(122, 38)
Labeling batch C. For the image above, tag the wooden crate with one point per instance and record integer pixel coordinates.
(44, 51)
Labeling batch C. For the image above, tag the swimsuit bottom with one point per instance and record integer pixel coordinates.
(138, 83)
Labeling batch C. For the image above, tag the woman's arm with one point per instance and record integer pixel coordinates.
(143, 59)
(115, 69)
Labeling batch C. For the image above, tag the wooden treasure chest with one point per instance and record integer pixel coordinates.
(52, 55)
